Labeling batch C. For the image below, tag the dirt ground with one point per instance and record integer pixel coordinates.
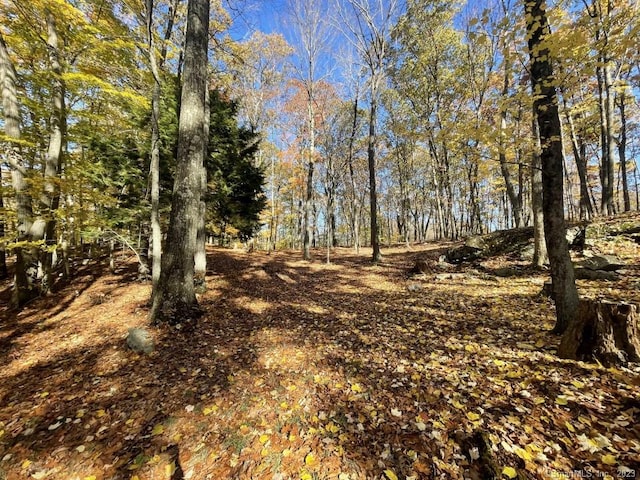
(303, 370)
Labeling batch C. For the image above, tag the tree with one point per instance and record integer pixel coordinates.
(156, 64)
(23, 289)
(551, 155)
(311, 29)
(370, 28)
(175, 297)
(235, 181)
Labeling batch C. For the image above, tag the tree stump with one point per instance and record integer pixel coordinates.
(605, 331)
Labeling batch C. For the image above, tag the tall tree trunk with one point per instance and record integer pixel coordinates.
(23, 288)
(154, 164)
(373, 195)
(175, 297)
(622, 150)
(50, 198)
(355, 210)
(579, 154)
(200, 257)
(546, 110)
(307, 225)
(540, 256)
(272, 223)
(516, 203)
(606, 106)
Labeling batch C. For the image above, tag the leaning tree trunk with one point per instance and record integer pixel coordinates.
(605, 331)
(175, 298)
(551, 155)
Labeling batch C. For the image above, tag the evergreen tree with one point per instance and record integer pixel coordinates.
(235, 195)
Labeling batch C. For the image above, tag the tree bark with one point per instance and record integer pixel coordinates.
(622, 150)
(546, 110)
(175, 298)
(373, 195)
(578, 149)
(50, 198)
(514, 198)
(23, 289)
(604, 331)
(540, 255)
(154, 164)
(200, 258)
(355, 209)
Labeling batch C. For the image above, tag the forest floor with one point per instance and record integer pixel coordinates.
(303, 370)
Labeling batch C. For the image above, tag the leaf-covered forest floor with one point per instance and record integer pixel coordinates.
(302, 370)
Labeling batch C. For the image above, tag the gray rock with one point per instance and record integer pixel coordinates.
(607, 263)
(140, 340)
(475, 241)
(589, 274)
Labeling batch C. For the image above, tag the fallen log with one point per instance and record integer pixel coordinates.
(605, 331)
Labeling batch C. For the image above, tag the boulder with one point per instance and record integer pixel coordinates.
(140, 340)
(607, 263)
(583, 273)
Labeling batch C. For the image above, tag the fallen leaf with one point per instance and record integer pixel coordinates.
(390, 474)
(510, 472)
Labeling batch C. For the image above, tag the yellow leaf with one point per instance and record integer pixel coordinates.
(390, 474)
(158, 429)
(135, 477)
(523, 454)
(499, 363)
(26, 464)
(100, 413)
(457, 404)
(473, 416)
(209, 410)
(311, 459)
(93, 477)
(264, 438)
(170, 469)
(569, 427)
(577, 384)
(332, 427)
(538, 400)
(609, 460)
(304, 475)
(356, 388)
(561, 400)
(264, 452)
(510, 472)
